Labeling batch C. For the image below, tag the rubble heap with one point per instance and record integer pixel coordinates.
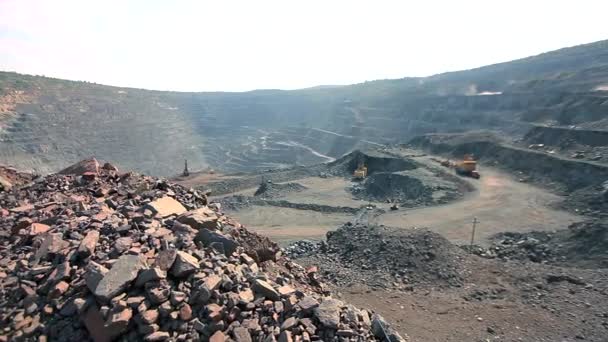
(10, 177)
(272, 190)
(582, 244)
(366, 253)
(96, 254)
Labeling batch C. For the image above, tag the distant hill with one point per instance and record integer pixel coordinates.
(46, 122)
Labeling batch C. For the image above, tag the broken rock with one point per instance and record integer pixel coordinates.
(201, 218)
(166, 206)
(328, 313)
(184, 264)
(123, 272)
(88, 244)
(265, 289)
(83, 166)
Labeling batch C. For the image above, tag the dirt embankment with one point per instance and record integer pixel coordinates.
(574, 143)
(236, 183)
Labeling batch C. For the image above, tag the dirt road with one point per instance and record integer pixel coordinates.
(500, 203)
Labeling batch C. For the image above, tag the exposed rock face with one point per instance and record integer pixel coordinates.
(112, 261)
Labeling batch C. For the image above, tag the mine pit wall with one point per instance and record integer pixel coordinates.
(554, 136)
(539, 167)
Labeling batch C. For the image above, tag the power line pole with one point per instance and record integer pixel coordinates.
(475, 222)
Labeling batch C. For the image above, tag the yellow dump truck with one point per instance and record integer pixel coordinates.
(360, 172)
(467, 167)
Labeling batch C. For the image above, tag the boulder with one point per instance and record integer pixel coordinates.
(122, 273)
(328, 313)
(88, 244)
(265, 289)
(88, 165)
(201, 218)
(184, 265)
(166, 206)
(207, 237)
(5, 184)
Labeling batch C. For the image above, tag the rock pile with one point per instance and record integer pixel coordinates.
(582, 244)
(518, 246)
(270, 190)
(384, 257)
(10, 177)
(95, 254)
(303, 248)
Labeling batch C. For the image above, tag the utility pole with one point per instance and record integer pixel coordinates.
(475, 222)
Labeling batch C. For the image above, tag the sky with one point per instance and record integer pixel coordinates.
(225, 45)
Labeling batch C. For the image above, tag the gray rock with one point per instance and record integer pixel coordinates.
(93, 275)
(165, 259)
(184, 265)
(289, 323)
(150, 274)
(207, 237)
(265, 289)
(308, 303)
(383, 331)
(123, 272)
(328, 313)
(241, 334)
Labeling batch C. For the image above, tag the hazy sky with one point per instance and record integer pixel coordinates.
(241, 45)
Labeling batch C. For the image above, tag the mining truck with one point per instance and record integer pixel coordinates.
(361, 172)
(467, 167)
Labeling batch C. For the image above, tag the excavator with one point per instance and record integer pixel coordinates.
(467, 167)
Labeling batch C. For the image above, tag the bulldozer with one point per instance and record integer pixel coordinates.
(361, 172)
(467, 167)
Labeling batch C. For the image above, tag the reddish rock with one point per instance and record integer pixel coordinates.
(149, 316)
(118, 321)
(166, 206)
(218, 336)
(185, 312)
(109, 167)
(87, 245)
(93, 321)
(246, 296)
(241, 334)
(165, 259)
(286, 291)
(212, 282)
(22, 209)
(157, 336)
(38, 228)
(89, 176)
(87, 165)
(201, 218)
(59, 289)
